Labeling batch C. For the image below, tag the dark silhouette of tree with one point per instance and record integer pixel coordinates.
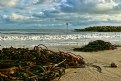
(101, 29)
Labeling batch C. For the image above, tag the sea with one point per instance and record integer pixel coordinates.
(54, 37)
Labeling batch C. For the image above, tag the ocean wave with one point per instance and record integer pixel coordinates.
(56, 38)
(59, 37)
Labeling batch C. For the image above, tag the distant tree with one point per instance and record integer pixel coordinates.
(101, 29)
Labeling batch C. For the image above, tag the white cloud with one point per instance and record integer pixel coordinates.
(8, 3)
(106, 5)
(88, 6)
(115, 17)
(15, 16)
(103, 17)
(76, 11)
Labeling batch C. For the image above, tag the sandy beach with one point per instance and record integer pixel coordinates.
(38, 39)
(101, 58)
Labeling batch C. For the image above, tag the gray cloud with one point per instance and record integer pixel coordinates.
(89, 6)
(76, 12)
(73, 6)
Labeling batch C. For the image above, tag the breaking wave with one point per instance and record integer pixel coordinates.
(39, 36)
(53, 38)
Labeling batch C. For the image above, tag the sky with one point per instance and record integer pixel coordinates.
(49, 14)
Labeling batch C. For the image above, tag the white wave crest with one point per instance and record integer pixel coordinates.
(59, 37)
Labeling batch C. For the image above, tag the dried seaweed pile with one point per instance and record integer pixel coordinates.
(38, 64)
(97, 45)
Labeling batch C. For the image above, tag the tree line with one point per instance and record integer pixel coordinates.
(101, 29)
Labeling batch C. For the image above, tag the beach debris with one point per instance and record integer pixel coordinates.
(97, 45)
(99, 69)
(113, 65)
(37, 64)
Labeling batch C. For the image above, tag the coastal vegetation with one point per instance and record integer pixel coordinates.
(101, 29)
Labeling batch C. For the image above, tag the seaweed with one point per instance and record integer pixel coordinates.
(37, 64)
(97, 45)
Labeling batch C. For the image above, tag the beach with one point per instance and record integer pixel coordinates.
(68, 40)
(60, 41)
(103, 59)
(100, 58)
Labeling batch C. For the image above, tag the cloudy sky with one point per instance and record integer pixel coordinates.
(35, 14)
